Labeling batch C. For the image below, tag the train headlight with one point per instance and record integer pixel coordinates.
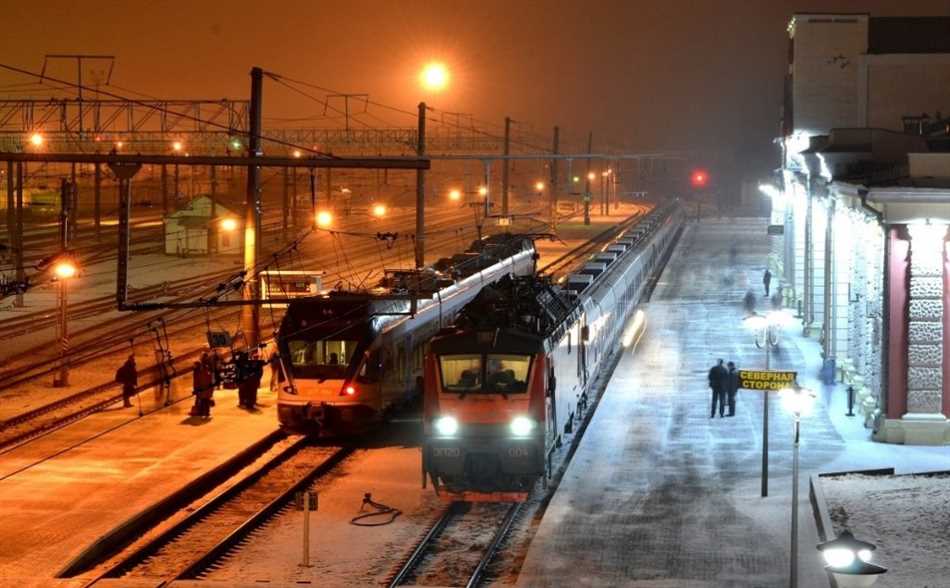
(521, 426)
(446, 425)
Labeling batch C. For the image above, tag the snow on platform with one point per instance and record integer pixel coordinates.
(659, 494)
(93, 475)
(907, 517)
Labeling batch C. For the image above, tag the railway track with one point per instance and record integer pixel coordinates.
(196, 542)
(437, 553)
(565, 262)
(65, 411)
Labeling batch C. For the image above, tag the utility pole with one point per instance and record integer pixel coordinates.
(250, 311)
(603, 192)
(164, 189)
(73, 198)
(504, 169)
(97, 199)
(590, 145)
(421, 191)
(18, 238)
(285, 208)
(65, 216)
(213, 225)
(557, 132)
(486, 164)
(11, 204)
(124, 172)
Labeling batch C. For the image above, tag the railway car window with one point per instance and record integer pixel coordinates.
(321, 359)
(507, 373)
(461, 373)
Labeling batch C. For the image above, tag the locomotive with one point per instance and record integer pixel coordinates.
(347, 358)
(511, 377)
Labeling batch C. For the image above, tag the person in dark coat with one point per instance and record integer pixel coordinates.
(275, 371)
(732, 387)
(203, 384)
(767, 281)
(128, 376)
(253, 373)
(717, 383)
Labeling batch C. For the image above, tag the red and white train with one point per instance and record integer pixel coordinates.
(349, 357)
(510, 378)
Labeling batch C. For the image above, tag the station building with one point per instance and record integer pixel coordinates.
(863, 197)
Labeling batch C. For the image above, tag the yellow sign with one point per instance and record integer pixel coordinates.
(762, 380)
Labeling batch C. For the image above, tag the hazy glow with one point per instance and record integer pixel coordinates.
(636, 326)
(446, 425)
(296, 153)
(36, 139)
(379, 210)
(229, 224)
(324, 218)
(434, 76)
(798, 402)
(65, 269)
(521, 426)
(482, 190)
(455, 195)
(177, 146)
(119, 144)
(591, 176)
(838, 557)
(539, 186)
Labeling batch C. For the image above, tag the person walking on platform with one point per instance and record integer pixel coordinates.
(128, 376)
(732, 387)
(717, 383)
(767, 281)
(203, 384)
(275, 373)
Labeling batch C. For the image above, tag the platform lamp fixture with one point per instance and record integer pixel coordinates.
(798, 402)
(848, 560)
(765, 330)
(64, 269)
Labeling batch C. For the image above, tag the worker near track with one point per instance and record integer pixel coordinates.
(717, 383)
(275, 373)
(203, 387)
(253, 369)
(767, 281)
(128, 376)
(732, 387)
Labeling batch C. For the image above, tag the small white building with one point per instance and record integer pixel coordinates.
(202, 227)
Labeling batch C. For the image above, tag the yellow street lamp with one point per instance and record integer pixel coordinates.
(324, 219)
(229, 224)
(434, 76)
(591, 176)
(177, 146)
(379, 210)
(483, 190)
(65, 269)
(119, 144)
(539, 186)
(455, 195)
(297, 153)
(36, 139)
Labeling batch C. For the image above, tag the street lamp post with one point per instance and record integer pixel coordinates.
(798, 402)
(848, 559)
(766, 328)
(64, 270)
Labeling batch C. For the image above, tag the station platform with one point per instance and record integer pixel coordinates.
(61, 492)
(659, 494)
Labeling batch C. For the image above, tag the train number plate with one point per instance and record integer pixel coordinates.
(518, 452)
(446, 452)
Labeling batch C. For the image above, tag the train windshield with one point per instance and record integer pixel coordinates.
(461, 373)
(326, 359)
(494, 373)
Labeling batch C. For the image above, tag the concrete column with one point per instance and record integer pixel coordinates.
(925, 320)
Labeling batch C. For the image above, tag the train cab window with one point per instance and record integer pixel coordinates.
(324, 359)
(461, 373)
(507, 373)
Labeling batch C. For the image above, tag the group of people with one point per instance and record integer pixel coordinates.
(724, 383)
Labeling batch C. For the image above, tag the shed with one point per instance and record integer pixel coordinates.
(191, 230)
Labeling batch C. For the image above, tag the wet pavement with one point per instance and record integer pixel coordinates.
(660, 495)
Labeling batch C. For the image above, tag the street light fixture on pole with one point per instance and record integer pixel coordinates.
(798, 402)
(766, 331)
(64, 270)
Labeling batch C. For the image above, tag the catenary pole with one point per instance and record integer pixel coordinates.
(505, 171)
(421, 191)
(554, 178)
(250, 313)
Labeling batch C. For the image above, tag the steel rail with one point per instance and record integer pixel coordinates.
(419, 552)
(500, 534)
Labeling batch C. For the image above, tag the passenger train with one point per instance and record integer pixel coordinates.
(509, 379)
(349, 357)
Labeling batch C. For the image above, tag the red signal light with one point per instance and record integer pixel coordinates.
(349, 390)
(699, 178)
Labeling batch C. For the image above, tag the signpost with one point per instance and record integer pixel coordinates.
(306, 501)
(766, 381)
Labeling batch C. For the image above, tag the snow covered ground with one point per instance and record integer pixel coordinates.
(907, 517)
